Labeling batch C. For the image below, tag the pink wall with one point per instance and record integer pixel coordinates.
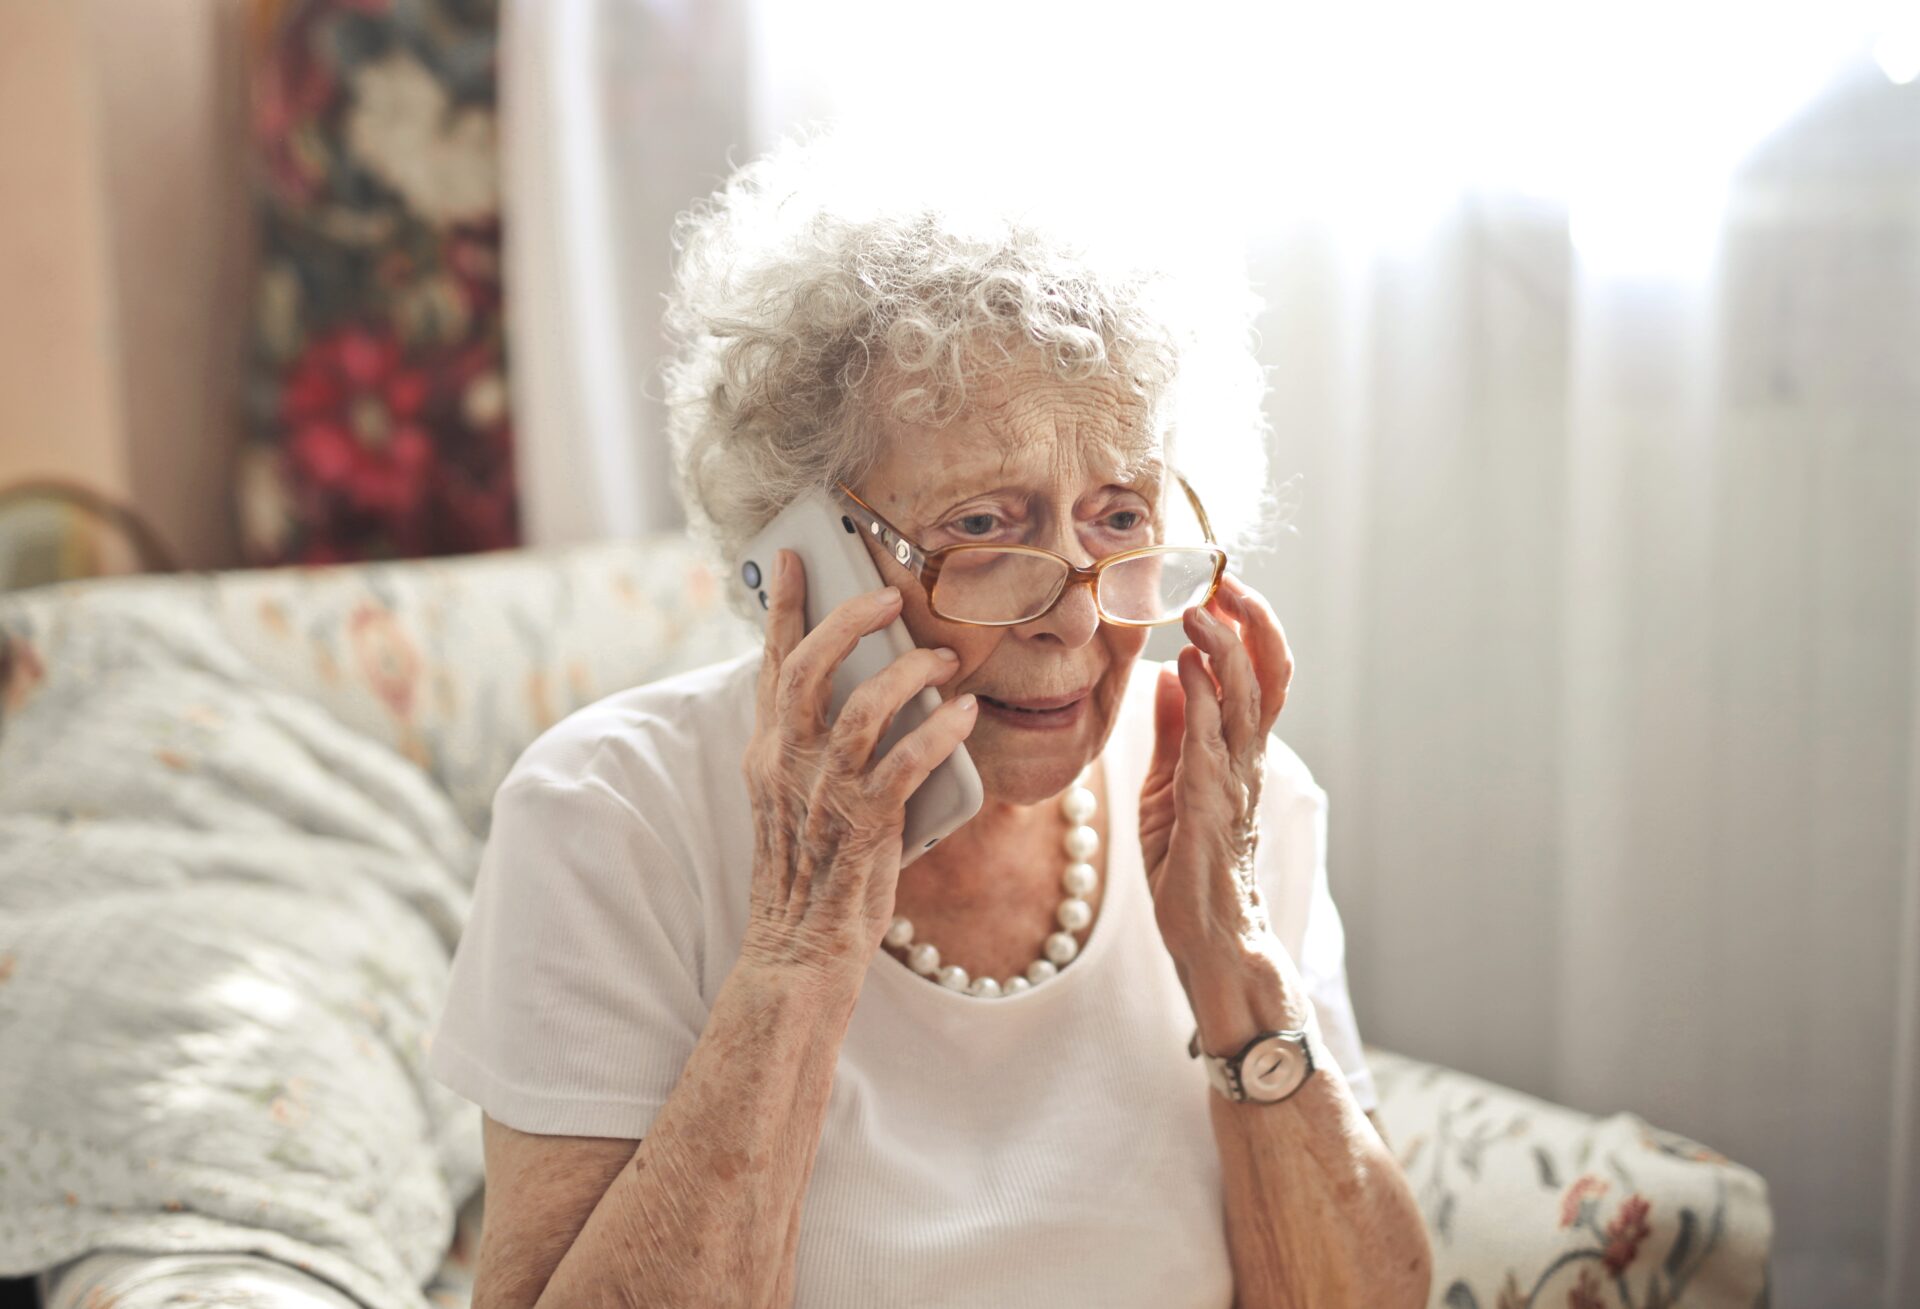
(124, 250)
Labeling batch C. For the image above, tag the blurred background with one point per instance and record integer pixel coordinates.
(1594, 336)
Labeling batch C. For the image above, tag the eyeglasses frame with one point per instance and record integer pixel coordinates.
(925, 565)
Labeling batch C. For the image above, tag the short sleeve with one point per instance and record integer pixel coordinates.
(1292, 868)
(574, 1000)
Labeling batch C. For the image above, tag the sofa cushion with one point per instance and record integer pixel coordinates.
(1530, 1203)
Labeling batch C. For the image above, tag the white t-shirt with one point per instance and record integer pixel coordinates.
(1046, 1149)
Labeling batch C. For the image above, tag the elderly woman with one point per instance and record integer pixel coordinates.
(1095, 1048)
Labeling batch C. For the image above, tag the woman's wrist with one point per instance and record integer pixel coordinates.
(1240, 985)
(813, 979)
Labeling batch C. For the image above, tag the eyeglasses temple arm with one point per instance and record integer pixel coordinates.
(1198, 512)
(905, 553)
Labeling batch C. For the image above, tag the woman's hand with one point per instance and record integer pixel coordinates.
(827, 816)
(1200, 803)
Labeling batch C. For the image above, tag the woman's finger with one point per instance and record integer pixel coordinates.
(914, 756)
(786, 624)
(1204, 738)
(805, 689)
(1266, 643)
(870, 710)
(1169, 728)
(1239, 688)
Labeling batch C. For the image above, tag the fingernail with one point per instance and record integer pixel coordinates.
(782, 566)
(1207, 620)
(947, 655)
(967, 703)
(886, 596)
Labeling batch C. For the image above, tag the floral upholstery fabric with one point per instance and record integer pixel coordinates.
(377, 407)
(1530, 1204)
(458, 664)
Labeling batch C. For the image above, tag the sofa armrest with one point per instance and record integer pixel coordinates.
(456, 663)
(1529, 1203)
(135, 1280)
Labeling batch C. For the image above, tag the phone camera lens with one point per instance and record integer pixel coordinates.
(750, 573)
(847, 523)
(763, 599)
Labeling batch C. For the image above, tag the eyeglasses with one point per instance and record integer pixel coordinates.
(1004, 585)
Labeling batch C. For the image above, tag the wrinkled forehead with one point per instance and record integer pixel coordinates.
(1048, 436)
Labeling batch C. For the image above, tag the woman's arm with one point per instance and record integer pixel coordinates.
(706, 1209)
(1319, 1212)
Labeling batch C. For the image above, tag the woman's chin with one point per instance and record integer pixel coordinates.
(1023, 761)
(1016, 775)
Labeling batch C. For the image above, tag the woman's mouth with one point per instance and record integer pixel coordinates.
(1054, 714)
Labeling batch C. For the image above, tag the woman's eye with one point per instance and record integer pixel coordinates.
(1137, 518)
(988, 519)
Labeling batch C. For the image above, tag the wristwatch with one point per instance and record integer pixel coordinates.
(1267, 1069)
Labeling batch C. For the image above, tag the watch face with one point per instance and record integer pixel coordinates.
(1272, 1069)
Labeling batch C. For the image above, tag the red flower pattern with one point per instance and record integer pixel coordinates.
(291, 91)
(388, 660)
(409, 455)
(1587, 1185)
(352, 410)
(356, 440)
(21, 671)
(1585, 1293)
(1625, 1233)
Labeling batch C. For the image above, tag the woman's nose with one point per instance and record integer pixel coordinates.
(1072, 621)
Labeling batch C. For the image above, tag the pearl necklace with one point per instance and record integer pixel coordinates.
(1075, 912)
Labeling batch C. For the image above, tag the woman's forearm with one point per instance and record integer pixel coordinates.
(1319, 1212)
(707, 1211)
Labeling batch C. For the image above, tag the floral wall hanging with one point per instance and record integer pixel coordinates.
(378, 424)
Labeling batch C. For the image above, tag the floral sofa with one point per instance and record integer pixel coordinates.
(239, 818)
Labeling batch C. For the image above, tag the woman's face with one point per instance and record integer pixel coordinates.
(1035, 461)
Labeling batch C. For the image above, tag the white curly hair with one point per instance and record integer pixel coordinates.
(823, 292)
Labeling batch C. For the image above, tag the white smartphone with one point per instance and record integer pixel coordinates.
(838, 568)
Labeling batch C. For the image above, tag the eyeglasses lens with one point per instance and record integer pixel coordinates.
(1157, 587)
(994, 586)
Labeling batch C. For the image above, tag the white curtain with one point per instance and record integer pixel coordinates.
(615, 114)
(1605, 593)
(1606, 619)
